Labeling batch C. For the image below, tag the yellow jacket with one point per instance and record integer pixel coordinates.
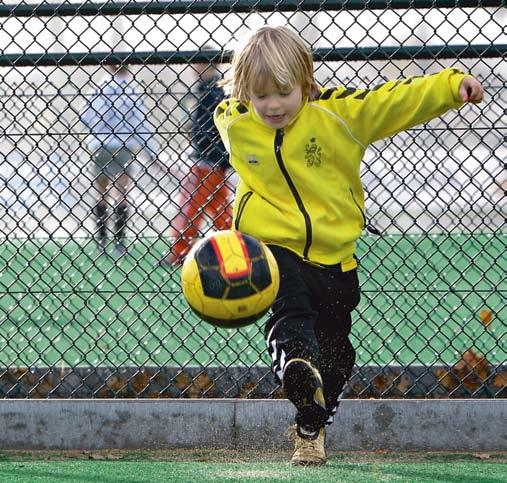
(299, 186)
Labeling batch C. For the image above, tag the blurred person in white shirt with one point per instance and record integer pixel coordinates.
(116, 117)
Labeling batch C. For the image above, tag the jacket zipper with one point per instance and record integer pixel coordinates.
(308, 223)
(366, 225)
(242, 204)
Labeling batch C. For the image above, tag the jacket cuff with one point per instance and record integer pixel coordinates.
(455, 82)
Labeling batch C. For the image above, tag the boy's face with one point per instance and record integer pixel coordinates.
(277, 107)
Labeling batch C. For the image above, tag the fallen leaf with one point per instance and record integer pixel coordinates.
(95, 456)
(486, 317)
(500, 380)
(182, 380)
(140, 381)
(114, 455)
(482, 456)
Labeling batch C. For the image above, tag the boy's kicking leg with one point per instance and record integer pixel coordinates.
(294, 349)
(308, 339)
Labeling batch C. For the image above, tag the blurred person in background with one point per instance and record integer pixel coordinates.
(116, 117)
(205, 193)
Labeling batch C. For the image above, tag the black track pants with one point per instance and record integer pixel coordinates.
(311, 320)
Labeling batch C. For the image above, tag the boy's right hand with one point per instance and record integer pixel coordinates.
(471, 90)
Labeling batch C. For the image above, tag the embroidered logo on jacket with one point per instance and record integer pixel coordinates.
(313, 153)
(252, 159)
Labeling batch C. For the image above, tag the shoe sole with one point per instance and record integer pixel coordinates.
(302, 385)
(308, 463)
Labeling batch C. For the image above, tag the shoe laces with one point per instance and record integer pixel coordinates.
(308, 445)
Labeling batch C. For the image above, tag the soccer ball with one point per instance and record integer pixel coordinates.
(230, 279)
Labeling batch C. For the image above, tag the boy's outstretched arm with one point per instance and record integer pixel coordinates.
(471, 90)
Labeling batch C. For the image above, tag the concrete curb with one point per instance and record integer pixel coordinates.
(408, 425)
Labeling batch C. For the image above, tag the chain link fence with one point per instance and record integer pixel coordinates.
(76, 322)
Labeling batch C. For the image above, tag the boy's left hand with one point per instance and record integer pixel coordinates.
(471, 90)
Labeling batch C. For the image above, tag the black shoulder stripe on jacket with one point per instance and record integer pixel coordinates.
(363, 94)
(228, 108)
(410, 79)
(346, 93)
(242, 108)
(327, 93)
(378, 86)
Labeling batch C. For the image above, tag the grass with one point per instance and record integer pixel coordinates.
(195, 466)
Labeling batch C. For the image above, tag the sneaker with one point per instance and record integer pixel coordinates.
(309, 448)
(302, 385)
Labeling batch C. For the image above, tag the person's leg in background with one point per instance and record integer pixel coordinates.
(120, 169)
(219, 207)
(101, 182)
(121, 213)
(192, 199)
(100, 211)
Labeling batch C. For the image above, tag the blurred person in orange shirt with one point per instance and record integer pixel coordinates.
(205, 193)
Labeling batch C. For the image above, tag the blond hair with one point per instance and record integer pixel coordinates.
(275, 53)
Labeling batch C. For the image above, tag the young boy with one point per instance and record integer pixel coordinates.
(297, 150)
